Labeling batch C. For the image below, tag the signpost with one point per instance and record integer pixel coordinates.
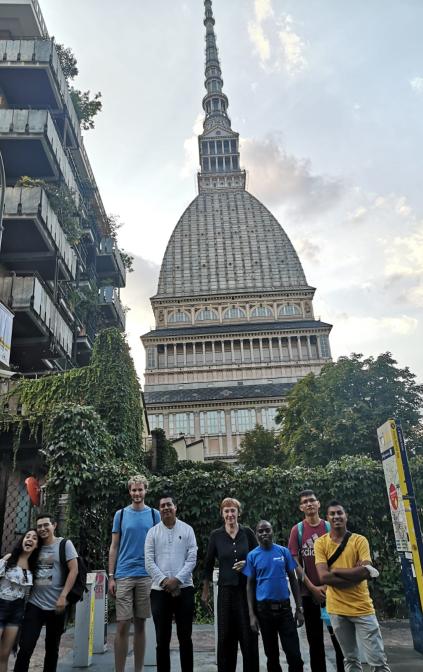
(405, 521)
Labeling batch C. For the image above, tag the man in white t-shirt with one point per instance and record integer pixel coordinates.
(47, 603)
(170, 558)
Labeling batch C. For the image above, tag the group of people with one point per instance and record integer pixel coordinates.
(34, 585)
(151, 560)
(152, 557)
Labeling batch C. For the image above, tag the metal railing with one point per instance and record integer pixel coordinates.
(39, 122)
(27, 292)
(109, 295)
(25, 201)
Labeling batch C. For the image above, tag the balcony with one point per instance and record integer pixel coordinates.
(109, 263)
(111, 308)
(33, 235)
(38, 326)
(31, 77)
(22, 18)
(30, 145)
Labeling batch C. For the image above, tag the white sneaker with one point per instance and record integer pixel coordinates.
(373, 572)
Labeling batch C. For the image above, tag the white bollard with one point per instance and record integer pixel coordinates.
(150, 643)
(84, 626)
(215, 591)
(100, 612)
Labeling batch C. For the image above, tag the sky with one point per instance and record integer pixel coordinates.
(328, 99)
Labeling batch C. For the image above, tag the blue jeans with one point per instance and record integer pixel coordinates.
(350, 630)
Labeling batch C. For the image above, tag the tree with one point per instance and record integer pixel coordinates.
(86, 108)
(337, 413)
(260, 448)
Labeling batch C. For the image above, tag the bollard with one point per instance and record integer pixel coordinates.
(84, 626)
(215, 591)
(100, 612)
(150, 643)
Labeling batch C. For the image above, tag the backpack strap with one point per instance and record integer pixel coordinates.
(62, 558)
(334, 557)
(153, 515)
(300, 532)
(120, 522)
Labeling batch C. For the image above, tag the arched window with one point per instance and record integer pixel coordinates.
(205, 315)
(179, 316)
(233, 313)
(289, 309)
(262, 311)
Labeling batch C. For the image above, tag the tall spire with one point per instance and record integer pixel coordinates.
(218, 144)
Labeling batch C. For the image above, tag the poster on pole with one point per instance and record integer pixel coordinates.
(405, 521)
(6, 326)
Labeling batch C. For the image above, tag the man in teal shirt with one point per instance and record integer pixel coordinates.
(128, 578)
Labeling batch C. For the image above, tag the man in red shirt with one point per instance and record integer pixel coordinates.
(301, 545)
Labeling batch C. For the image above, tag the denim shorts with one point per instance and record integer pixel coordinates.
(11, 612)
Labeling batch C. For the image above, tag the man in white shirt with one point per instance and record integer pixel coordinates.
(170, 557)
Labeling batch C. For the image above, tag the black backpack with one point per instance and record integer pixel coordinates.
(78, 589)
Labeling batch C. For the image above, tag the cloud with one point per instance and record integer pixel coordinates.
(192, 162)
(293, 47)
(280, 178)
(308, 250)
(140, 286)
(417, 84)
(259, 40)
(275, 40)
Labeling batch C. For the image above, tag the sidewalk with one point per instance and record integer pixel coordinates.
(396, 634)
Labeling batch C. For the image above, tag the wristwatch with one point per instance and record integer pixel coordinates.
(300, 609)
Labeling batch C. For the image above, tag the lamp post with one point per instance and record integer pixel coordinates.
(2, 195)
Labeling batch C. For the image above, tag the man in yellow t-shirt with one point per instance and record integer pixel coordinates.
(348, 601)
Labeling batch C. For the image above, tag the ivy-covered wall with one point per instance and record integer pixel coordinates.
(88, 426)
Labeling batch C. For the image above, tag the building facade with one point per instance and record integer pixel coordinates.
(235, 325)
(60, 268)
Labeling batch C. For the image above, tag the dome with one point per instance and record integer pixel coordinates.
(225, 242)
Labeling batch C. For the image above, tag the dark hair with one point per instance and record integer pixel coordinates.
(17, 551)
(334, 502)
(46, 515)
(166, 495)
(306, 493)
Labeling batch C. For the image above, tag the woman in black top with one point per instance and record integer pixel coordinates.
(230, 545)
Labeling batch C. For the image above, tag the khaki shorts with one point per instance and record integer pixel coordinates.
(133, 598)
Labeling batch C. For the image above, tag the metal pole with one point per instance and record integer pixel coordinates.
(2, 195)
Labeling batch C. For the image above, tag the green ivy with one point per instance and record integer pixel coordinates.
(89, 422)
(272, 493)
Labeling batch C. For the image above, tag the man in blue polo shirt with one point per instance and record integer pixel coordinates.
(267, 569)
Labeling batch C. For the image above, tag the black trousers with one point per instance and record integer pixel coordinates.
(280, 622)
(314, 628)
(233, 626)
(34, 620)
(164, 607)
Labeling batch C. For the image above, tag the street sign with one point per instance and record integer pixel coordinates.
(405, 521)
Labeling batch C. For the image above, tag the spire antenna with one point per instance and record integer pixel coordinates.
(218, 144)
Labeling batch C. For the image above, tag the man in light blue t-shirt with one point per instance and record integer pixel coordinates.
(267, 568)
(129, 581)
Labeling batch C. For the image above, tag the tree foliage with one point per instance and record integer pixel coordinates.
(260, 448)
(86, 107)
(338, 412)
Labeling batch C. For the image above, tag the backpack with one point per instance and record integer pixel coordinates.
(76, 594)
(300, 532)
